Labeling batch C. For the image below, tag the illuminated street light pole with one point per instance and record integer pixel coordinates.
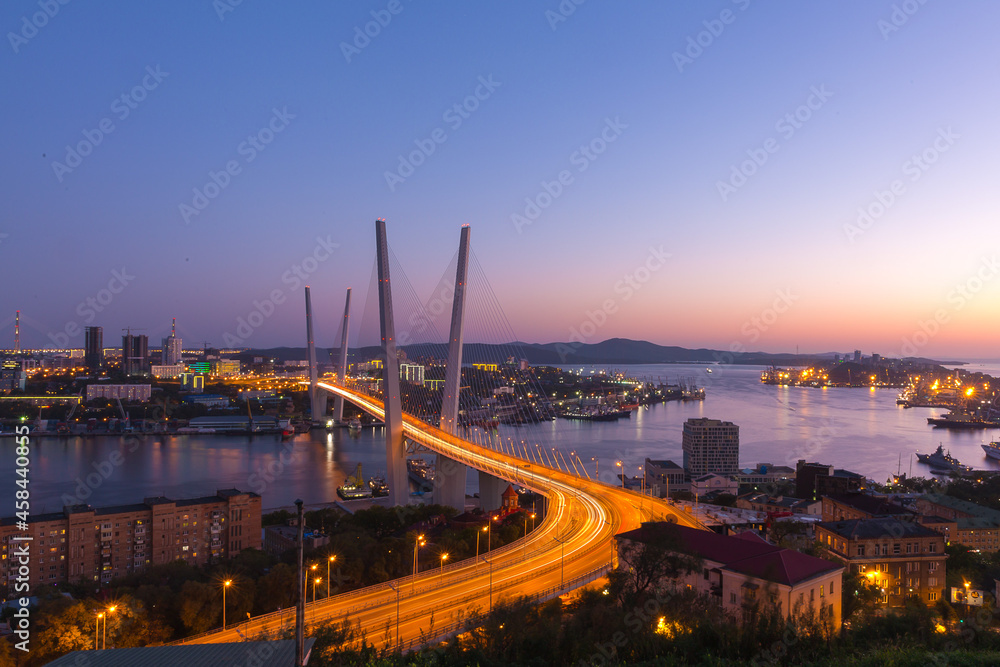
(597, 467)
(419, 542)
(225, 584)
(97, 629)
(104, 635)
(328, 562)
(622, 473)
(395, 588)
(315, 582)
(444, 557)
(485, 529)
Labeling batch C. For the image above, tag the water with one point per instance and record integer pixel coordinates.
(858, 429)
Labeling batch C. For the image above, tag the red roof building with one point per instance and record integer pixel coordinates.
(742, 570)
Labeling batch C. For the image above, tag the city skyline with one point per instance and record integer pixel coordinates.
(779, 178)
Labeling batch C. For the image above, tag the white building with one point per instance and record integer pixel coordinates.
(125, 392)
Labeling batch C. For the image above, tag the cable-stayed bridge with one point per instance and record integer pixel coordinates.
(573, 546)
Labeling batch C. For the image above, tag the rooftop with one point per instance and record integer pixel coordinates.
(873, 505)
(746, 553)
(866, 529)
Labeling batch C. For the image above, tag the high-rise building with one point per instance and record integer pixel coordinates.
(93, 348)
(135, 354)
(171, 350)
(412, 373)
(711, 446)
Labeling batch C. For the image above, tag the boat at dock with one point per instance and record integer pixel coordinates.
(992, 450)
(963, 420)
(941, 461)
(354, 487)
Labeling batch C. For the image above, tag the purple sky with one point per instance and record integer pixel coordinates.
(689, 175)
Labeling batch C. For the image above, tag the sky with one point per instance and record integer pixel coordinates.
(732, 174)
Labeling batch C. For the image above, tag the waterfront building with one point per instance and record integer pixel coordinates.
(663, 477)
(743, 571)
(960, 521)
(135, 354)
(84, 543)
(710, 446)
(124, 392)
(766, 473)
(814, 480)
(93, 348)
(713, 484)
(846, 506)
(208, 400)
(762, 502)
(902, 558)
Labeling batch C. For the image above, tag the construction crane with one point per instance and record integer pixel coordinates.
(126, 424)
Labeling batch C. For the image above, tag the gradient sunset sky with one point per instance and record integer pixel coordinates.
(820, 110)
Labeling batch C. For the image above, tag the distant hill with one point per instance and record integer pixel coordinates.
(612, 351)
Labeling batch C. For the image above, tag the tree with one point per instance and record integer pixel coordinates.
(660, 556)
(200, 607)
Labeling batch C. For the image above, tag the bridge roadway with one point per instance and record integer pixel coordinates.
(572, 546)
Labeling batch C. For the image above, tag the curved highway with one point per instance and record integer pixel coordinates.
(573, 545)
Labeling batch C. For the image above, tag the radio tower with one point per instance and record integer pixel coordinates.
(17, 332)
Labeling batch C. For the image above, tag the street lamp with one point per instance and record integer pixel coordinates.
(315, 582)
(597, 467)
(444, 557)
(329, 560)
(485, 529)
(622, 473)
(225, 584)
(97, 628)
(305, 581)
(419, 542)
(104, 635)
(395, 588)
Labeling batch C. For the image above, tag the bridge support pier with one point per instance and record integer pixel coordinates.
(317, 397)
(450, 475)
(490, 491)
(338, 402)
(395, 448)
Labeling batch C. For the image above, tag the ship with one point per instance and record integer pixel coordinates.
(420, 473)
(962, 420)
(354, 487)
(378, 486)
(992, 450)
(940, 460)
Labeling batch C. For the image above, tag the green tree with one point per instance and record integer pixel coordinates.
(200, 607)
